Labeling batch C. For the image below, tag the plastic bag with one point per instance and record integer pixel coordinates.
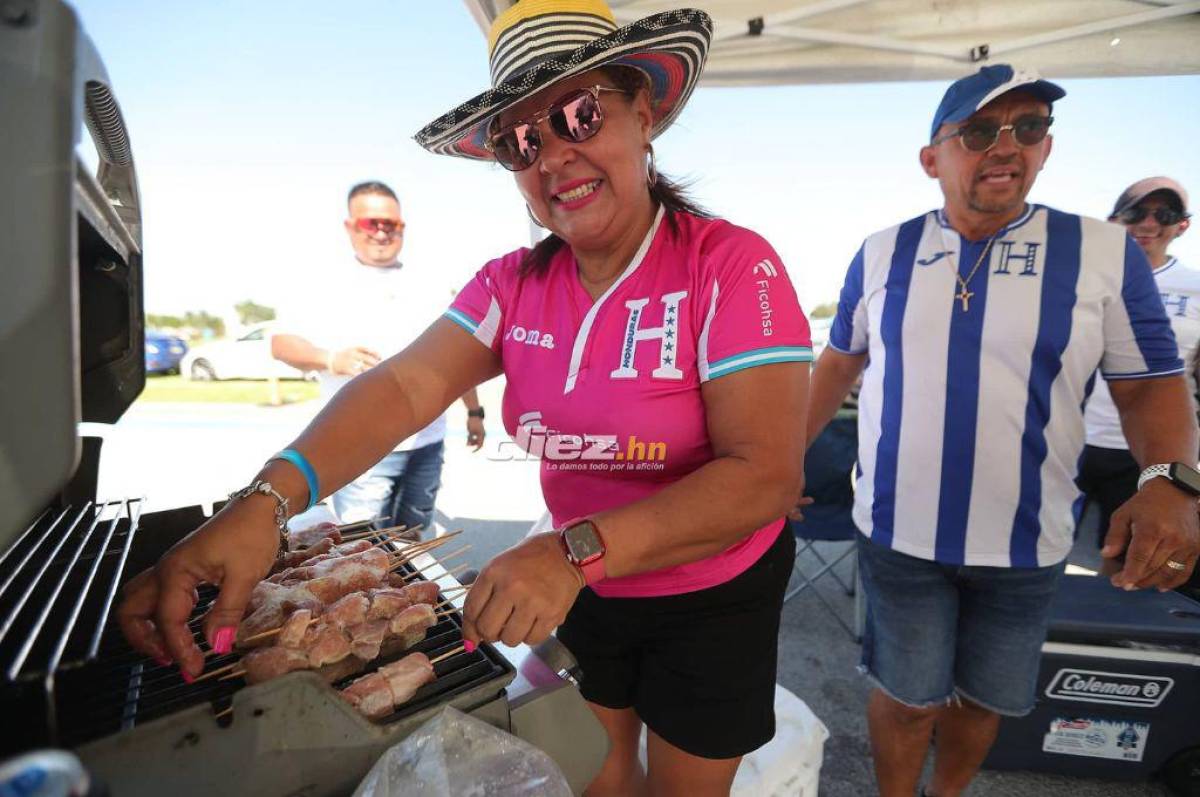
(455, 755)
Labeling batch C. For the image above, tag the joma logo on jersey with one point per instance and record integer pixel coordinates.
(667, 336)
(530, 337)
(534, 440)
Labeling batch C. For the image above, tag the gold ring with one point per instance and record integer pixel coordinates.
(1171, 563)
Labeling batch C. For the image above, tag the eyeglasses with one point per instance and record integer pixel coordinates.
(574, 117)
(980, 135)
(388, 227)
(1163, 215)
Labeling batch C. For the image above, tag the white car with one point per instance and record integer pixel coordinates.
(246, 357)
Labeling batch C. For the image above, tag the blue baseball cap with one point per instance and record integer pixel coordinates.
(967, 95)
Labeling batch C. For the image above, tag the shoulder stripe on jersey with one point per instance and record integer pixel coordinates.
(489, 327)
(1060, 278)
(891, 324)
(462, 319)
(960, 423)
(749, 359)
(702, 342)
(585, 328)
(1147, 315)
(841, 333)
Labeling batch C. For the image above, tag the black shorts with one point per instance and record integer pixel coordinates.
(699, 668)
(1109, 477)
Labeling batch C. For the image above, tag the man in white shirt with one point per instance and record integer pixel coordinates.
(977, 328)
(371, 308)
(1155, 212)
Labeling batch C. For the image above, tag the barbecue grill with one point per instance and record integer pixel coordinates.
(74, 323)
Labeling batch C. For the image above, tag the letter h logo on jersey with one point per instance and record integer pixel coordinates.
(1026, 259)
(1175, 303)
(666, 335)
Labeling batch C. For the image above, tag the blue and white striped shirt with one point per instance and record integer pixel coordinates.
(971, 423)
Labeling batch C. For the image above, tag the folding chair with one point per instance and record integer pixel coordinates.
(828, 470)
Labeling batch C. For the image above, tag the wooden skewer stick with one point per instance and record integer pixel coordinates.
(412, 549)
(214, 673)
(373, 532)
(224, 713)
(438, 562)
(273, 632)
(358, 524)
(460, 588)
(444, 656)
(232, 675)
(406, 555)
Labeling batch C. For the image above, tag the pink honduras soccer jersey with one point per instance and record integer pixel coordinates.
(607, 394)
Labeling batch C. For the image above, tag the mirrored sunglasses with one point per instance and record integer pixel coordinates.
(574, 118)
(376, 226)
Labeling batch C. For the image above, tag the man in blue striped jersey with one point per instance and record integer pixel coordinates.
(977, 329)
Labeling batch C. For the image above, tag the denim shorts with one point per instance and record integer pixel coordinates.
(936, 632)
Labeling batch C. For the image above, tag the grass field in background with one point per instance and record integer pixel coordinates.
(235, 391)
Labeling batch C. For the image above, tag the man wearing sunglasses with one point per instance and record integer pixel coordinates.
(369, 309)
(977, 328)
(1155, 212)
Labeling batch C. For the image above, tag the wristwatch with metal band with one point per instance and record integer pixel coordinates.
(584, 548)
(1185, 477)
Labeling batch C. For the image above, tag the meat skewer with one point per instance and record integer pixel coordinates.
(329, 644)
(298, 539)
(392, 685)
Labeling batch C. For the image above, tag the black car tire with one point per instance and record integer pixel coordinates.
(203, 372)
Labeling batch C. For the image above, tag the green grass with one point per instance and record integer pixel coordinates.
(235, 391)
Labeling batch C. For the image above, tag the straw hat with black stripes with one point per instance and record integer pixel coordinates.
(537, 43)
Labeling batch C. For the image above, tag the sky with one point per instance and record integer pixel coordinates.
(250, 120)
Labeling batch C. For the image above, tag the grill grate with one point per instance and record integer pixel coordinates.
(128, 689)
(58, 582)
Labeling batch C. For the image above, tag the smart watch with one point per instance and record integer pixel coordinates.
(584, 548)
(1183, 476)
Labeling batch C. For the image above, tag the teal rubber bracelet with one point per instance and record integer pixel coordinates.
(302, 464)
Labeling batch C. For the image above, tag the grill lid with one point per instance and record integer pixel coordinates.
(71, 325)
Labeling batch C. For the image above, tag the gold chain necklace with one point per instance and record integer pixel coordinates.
(963, 294)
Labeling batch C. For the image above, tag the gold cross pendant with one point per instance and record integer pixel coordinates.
(964, 296)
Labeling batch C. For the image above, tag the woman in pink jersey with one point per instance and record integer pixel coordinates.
(656, 362)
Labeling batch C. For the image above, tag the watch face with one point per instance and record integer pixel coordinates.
(583, 542)
(1185, 476)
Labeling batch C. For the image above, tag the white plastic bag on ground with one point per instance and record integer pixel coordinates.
(790, 764)
(455, 755)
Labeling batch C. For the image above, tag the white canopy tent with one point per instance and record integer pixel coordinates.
(763, 42)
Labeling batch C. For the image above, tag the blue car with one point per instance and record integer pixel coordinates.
(163, 352)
